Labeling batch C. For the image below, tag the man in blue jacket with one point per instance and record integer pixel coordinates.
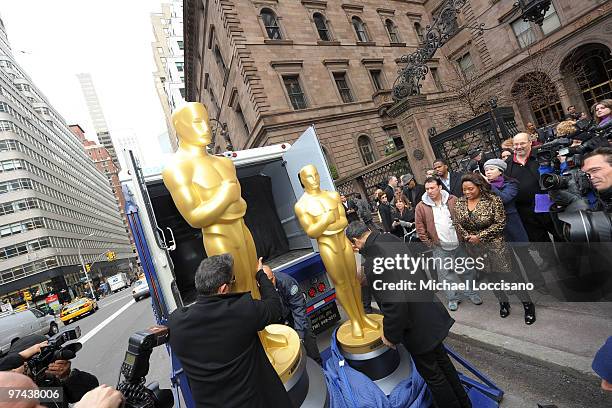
(294, 310)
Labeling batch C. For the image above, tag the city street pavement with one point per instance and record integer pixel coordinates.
(105, 340)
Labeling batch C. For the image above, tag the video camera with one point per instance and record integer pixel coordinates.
(136, 366)
(55, 350)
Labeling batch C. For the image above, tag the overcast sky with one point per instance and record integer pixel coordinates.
(111, 39)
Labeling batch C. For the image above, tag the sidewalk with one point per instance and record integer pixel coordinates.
(565, 336)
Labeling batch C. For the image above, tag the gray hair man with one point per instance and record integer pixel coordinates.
(216, 339)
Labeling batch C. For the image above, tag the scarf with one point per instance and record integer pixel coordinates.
(498, 182)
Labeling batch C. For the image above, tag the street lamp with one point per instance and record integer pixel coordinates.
(93, 296)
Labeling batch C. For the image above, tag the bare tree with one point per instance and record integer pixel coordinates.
(472, 93)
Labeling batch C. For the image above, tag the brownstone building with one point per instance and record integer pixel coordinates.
(105, 164)
(271, 68)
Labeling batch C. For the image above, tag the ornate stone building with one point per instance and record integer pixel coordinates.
(271, 68)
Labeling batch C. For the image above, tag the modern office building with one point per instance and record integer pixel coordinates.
(54, 203)
(269, 69)
(168, 47)
(97, 115)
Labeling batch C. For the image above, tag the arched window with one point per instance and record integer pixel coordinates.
(365, 149)
(392, 30)
(419, 32)
(540, 92)
(321, 24)
(590, 68)
(360, 30)
(271, 23)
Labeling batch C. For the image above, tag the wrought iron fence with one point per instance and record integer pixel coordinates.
(484, 132)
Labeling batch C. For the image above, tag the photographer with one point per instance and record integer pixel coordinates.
(75, 383)
(598, 165)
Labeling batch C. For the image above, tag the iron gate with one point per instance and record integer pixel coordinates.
(485, 132)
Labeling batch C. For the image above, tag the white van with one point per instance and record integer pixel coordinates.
(16, 325)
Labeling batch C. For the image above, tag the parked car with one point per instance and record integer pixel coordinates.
(140, 289)
(77, 309)
(15, 325)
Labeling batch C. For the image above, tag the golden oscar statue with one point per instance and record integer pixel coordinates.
(322, 216)
(206, 192)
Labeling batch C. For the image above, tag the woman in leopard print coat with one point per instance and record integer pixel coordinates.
(480, 220)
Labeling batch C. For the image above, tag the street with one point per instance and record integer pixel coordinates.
(105, 335)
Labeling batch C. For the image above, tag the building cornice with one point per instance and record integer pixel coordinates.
(190, 43)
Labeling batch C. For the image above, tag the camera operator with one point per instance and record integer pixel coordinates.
(598, 165)
(75, 383)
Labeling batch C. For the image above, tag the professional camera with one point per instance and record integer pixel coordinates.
(55, 350)
(136, 366)
(586, 226)
(573, 184)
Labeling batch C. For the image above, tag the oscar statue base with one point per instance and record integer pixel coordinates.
(307, 387)
(283, 348)
(370, 356)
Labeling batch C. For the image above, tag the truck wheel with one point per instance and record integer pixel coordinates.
(53, 329)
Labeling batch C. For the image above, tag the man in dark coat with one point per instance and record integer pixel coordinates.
(415, 318)
(412, 190)
(216, 340)
(451, 181)
(390, 188)
(350, 209)
(294, 311)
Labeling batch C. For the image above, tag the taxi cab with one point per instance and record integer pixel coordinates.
(78, 308)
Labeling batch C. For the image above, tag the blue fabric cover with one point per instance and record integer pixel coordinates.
(349, 388)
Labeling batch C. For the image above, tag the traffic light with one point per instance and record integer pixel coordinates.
(110, 255)
(88, 267)
(27, 295)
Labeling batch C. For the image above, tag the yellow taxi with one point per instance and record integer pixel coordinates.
(78, 308)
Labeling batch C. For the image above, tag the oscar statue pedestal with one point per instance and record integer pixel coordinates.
(302, 377)
(385, 366)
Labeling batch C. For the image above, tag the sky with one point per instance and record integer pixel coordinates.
(55, 40)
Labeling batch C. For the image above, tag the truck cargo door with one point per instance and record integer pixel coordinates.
(307, 150)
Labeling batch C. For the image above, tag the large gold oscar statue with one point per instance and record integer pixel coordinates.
(206, 192)
(321, 215)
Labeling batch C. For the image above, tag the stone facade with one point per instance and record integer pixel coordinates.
(242, 70)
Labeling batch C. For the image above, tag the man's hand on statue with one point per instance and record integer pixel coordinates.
(259, 263)
(387, 342)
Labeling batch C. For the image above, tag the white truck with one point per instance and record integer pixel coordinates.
(118, 282)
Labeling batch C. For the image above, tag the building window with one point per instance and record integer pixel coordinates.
(180, 45)
(343, 87)
(524, 32)
(180, 66)
(466, 65)
(242, 120)
(377, 80)
(220, 62)
(419, 32)
(294, 90)
(321, 25)
(435, 75)
(365, 149)
(551, 20)
(392, 31)
(182, 91)
(394, 139)
(360, 30)
(271, 24)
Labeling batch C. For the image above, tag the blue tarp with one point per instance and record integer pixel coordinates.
(349, 388)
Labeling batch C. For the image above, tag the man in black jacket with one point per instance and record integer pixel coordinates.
(416, 318)
(390, 188)
(412, 190)
(216, 340)
(523, 166)
(350, 209)
(451, 181)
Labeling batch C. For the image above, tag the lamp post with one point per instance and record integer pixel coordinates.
(93, 296)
